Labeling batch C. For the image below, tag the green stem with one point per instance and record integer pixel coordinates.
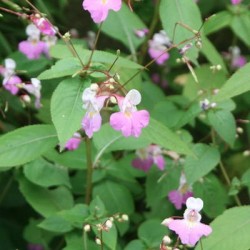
(85, 245)
(151, 31)
(224, 171)
(89, 170)
(94, 48)
(6, 189)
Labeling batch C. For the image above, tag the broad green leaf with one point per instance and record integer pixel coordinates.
(135, 244)
(211, 53)
(151, 232)
(217, 22)
(206, 158)
(224, 124)
(122, 25)
(44, 201)
(44, 174)
(231, 230)
(184, 12)
(116, 198)
(97, 207)
(159, 134)
(72, 159)
(61, 51)
(239, 83)
(64, 67)
(26, 144)
(240, 26)
(56, 224)
(107, 139)
(66, 108)
(209, 190)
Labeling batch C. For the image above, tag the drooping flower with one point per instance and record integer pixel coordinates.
(237, 60)
(235, 2)
(189, 229)
(43, 25)
(93, 104)
(32, 47)
(35, 247)
(74, 142)
(129, 121)
(99, 8)
(158, 45)
(35, 89)
(149, 156)
(179, 197)
(10, 79)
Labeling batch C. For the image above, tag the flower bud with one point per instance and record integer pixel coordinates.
(108, 224)
(166, 240)
(240, 130)
(125, 217)
(86, 228)
(98, 241)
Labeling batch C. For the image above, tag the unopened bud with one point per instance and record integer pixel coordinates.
(113, 100)
(213, 105)
(166, 240)
(246, 153)
(86, 228)
(166, 221)
(66, 35)
(215, 91)
(200, 92)
(108, 224)
(198, 44)
(125, 217)
(94, 86)
(98, 241)
(26, 98)
(240, 130)
(218, 67)
(178, 60)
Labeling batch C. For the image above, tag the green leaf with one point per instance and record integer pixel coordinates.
(231, 230)
(206, 158)
(239, 83)
(56, 224)
(72, 159)
(44, 174)
(66, 108)
(116, 198)
(107, 139)
(159, 134)
(61, 51)
(224, 124)
(26, 144)
(121, 26)
(217, 22)
(209, 190)
(211, 53)
(151, 232)
(135, 244)
(97, 207)
(64, 67)
(184, 12)
(44, 201)
(240, 26)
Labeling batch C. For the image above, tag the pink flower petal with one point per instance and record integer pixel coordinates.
(91, 123)
(143, 164)
(159, 162)
(175, 197)
(10, 84)
(73, 143)
(32, 50)
(154, 53)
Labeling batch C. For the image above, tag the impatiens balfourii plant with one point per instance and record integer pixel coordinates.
(98, 148)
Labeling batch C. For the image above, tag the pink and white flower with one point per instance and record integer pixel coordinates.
(99, 8)
(35, 89)
(74, 142)
(10, 80)
(129, 121)
(32, 47)
(158, 45)
(141, 33)
(179, 197)
(149, 156)
(189, 229)
(93, 104)
(43, 25)
(235, 2)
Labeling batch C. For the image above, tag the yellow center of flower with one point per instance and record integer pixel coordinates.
(104, 2)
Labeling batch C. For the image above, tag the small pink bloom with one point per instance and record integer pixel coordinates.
(234, 2)
(179, 197)
(141, 33)
(35, 247)
(74, 142)
(130, 121)
(32, 50)
(190, 229)
(93, 104)
(10, 84)
(43, 25)
(49, 41)
(237, 60)
(99, 8)
(158, 45)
